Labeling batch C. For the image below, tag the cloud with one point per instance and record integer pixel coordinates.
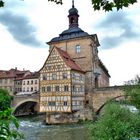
(20, 28)
(117, 28)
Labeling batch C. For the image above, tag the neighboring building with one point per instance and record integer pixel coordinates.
(83, 49)
(12, 80)
(7, 79)
(30, 83)
(62, 83)
(18, 80)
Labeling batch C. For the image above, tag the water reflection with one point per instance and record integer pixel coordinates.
(34, 129)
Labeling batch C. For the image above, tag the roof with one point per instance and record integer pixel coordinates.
(71, 33)
(12, 73)
(68, 60)
(104, 68)
(33, 75)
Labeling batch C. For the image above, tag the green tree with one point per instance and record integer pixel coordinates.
(8, 123)
(132, 91)
(116, 123)
(106, 5)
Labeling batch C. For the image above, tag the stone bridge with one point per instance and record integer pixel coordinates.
(100, 96)
(97, 98)
(25, 102)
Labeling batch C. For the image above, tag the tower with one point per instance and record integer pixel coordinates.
(73, 16)
(83, 49)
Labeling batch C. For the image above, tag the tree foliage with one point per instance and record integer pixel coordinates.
(106, 5)
(116, 123)
(132, 91)
(8, 123)
(5, 99)
(1, 3)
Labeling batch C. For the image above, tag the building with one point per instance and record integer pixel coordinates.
(71, 70)
(11, 80)
(62, 83)
(30, 83)
(83, 49)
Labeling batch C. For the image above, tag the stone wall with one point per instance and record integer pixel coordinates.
(101, 95)
(66, 118)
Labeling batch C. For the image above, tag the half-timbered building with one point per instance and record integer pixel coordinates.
(62, 83)
(71, 71)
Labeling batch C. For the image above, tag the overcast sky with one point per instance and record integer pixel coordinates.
(26, 25)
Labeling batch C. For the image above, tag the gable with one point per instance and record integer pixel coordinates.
(54, 62)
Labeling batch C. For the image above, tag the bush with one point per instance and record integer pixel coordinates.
(116, 123)
(7, 119)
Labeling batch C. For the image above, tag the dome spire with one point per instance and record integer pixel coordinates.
(72, 3)
(73, 16)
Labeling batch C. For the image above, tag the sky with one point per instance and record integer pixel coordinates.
(26, 26)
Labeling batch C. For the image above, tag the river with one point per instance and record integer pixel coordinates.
(34, 129)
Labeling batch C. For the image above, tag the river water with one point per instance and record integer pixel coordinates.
(34, 129)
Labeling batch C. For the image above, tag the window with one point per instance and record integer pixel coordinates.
(5, 81)
(66, 88)
(32, 82)
(24, 89)
(78, 49)
(82, 88)
(58, 66)
(31, 88)
(48, 88)
(81, 78)
(51, 103)
(28, 82)
(43, 89)
(72, 20)
(65, 76)
(73, 88)
(23, 82)
(44, 77)
(65, 103)
(49, 67)
(35, 88)
(73, 76)
(27, 89)
(11, 89)
(57, 88)
(53, 76)
(35, 81)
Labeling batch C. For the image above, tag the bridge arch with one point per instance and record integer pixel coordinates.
(26, 107)
(108, 101)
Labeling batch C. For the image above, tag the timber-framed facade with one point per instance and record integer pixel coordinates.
(61, 83)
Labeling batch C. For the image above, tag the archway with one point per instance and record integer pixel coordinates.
(26, 108)
(118, 98)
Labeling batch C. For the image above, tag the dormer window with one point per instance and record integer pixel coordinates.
(77, 48)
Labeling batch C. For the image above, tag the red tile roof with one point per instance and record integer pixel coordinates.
(33, 75)
(12, 73)
(68, 60)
